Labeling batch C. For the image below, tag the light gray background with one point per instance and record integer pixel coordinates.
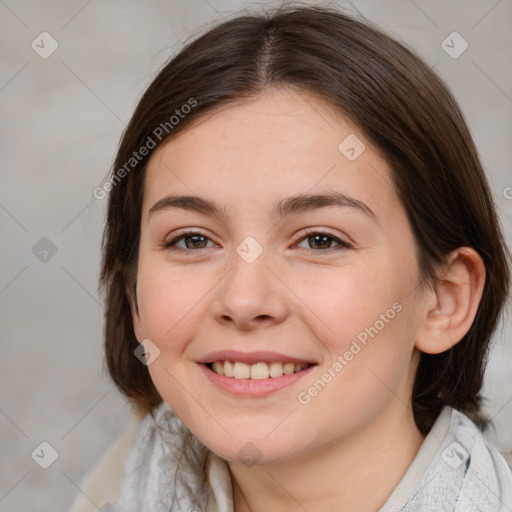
(61, 119)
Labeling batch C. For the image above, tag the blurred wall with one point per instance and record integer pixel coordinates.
(65, 98)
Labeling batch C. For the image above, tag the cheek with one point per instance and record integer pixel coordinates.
(369, 368)
(169, 301)
(347, 301)
(364, 321)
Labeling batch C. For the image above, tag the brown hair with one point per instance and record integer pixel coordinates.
(395, 99)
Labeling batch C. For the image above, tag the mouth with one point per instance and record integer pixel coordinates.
(257, 371)
(254, 374)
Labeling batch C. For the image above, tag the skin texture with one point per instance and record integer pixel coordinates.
(350, 445)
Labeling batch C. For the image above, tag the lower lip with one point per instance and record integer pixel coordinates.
(250, 387)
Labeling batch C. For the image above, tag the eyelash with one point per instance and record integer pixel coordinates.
(342, 244)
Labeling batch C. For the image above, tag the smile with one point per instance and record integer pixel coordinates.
(258, 371)
(254, 380)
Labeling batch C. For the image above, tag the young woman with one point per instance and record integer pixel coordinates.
(303, 269)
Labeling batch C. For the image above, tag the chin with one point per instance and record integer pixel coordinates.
(250, 453)
(261, 446)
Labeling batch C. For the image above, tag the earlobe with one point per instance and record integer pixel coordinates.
(457, 296)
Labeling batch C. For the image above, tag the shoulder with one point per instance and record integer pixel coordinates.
(473, 439)
(103, 482)
(468, 471)
(456, 470)
(487, 482)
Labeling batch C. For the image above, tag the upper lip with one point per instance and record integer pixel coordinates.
(252, 357)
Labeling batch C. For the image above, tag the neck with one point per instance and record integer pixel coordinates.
(357, 473)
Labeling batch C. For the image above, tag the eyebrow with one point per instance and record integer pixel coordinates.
(290, 205)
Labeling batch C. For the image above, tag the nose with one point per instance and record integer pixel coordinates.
(252, 293)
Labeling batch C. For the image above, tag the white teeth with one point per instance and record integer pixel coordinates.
(241, 371)
(257, 371)
(276, 369)
(288, 368)
(218, 367)
(228, 368)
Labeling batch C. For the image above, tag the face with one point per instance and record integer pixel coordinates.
(312, 304)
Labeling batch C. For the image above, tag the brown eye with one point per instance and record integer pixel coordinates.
(319, 241)
(192, 240)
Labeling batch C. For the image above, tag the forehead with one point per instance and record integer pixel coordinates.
(257, 151)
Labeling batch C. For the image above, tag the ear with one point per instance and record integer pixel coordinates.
(454, 302)
(134, 309)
